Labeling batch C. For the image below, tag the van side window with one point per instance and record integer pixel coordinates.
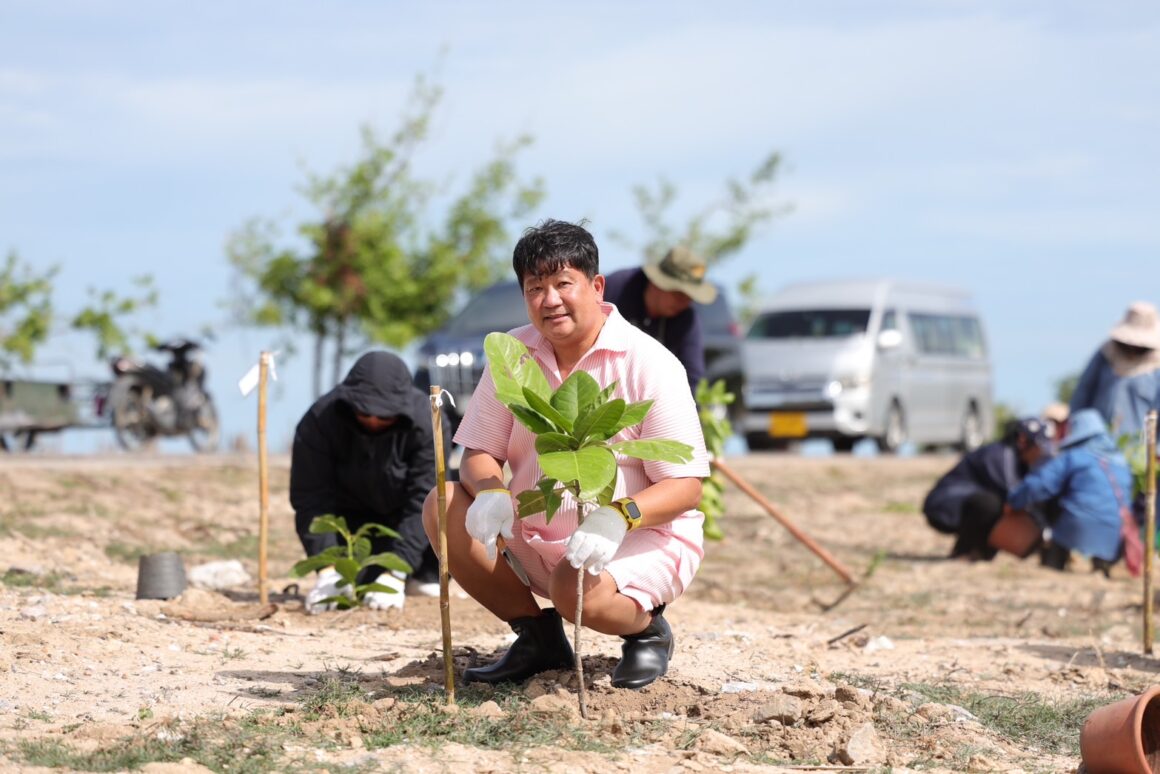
(889, 321)
(951, 335)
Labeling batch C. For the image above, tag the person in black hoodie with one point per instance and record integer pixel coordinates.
(364, 451)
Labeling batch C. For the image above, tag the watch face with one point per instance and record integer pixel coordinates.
(633, 511)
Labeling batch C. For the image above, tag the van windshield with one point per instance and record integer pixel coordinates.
(810, 324)
(499, 308)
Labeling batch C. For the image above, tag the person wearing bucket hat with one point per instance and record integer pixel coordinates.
(659, 299)
(364, 451)
(1122, 379)
(1088, 480)
(968, 500)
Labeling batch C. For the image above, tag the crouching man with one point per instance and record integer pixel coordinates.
(640, 553)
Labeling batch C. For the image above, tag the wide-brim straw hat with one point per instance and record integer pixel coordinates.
(1140, 327)
(682, 270)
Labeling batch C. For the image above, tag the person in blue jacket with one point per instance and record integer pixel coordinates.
(1091, 482)
(968, 500)
(658, 299)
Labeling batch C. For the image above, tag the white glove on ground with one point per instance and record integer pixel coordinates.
(490, 516)
(596, 540)
(326, 586)
(382, 600)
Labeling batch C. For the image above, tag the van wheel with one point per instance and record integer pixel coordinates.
(972, 432)
(895, 434)
(765, 442)
(845, 443)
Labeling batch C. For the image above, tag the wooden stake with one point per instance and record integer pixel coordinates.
(582, 690)
(444, 570)
(1149, 528)
(781, 519)
(263, 482)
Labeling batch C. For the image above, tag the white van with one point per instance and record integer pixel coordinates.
(882, 359)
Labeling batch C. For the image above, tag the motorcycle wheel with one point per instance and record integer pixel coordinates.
(129, 423)
(205, 435)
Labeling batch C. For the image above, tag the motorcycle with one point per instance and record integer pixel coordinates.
(147, 402)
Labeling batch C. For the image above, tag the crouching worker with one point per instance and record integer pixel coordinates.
(1090, 480)
(364, 451)
(637, 555)
(968, 500)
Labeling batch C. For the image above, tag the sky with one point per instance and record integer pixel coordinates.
(1010, 148)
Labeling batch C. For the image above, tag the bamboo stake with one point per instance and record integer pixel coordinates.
(263, 482)
(444, 570)
(582, 691)
(1149, 529)
(784, 521)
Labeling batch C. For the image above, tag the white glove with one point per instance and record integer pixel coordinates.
(490, 516)
(596, 540)
(382, 600)
(326, 586)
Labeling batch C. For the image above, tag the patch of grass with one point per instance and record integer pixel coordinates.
(172, 495)
(896, 506)
(14, 577)
(125, 553)
(333, 698)
(37, 532)
(1028, 719)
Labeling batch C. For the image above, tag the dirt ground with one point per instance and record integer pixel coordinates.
(928, 664)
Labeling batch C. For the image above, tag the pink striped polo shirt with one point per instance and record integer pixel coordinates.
(642, 369)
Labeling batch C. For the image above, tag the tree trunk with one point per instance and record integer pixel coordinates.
(339, 350)
(319, 341)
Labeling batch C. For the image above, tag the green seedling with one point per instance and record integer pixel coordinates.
(350, 558)
(715, 426)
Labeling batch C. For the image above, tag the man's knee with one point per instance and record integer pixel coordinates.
(457, 501)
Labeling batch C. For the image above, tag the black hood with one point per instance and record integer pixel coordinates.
(379, 384)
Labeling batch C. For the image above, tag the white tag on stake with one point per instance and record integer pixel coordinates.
(249, 382)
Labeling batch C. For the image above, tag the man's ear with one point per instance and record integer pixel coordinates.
(598, 284)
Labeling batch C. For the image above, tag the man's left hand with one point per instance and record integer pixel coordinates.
(385, 600)
(596, 540)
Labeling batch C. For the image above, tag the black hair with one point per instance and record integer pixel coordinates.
(552, 245)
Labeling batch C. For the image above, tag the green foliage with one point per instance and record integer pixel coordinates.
(350, 558)
(716, 231)
(107, 312)
(1004, 414)
(573, 428)
(378, 261)
(25, 310)
(711, 402)
(1065, 388)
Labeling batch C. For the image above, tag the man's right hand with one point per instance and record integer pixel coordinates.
(490, 516)
(325, 587)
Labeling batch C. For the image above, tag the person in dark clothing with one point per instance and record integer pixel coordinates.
(968, 500)
(658, 299)
(364, 451)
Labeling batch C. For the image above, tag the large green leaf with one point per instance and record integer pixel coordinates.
(592, 467)
(328, 523)
(310, 564)
(389, 560)
(579, 389)
(659, 450)
(503, 353)
(348, 569)
(633, 414)
(378, 530)
(360, 549)
(599, 422)
(532, 420)
(553, 442)
(545, 498)
(547, 410)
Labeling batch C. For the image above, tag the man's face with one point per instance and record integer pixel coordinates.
(665, 303)
(564, 307)
(374, 424)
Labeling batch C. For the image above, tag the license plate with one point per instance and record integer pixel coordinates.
(788, 425)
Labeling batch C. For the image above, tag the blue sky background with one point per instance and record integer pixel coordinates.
(1009, 147)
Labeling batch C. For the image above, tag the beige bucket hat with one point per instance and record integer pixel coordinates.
(682, 269)
(1140, 326)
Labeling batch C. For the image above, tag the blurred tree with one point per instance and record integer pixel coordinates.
(107, 315)
(25, 310)
(1003, 414)
(718, 230)
(1065, 388)
(377, 262)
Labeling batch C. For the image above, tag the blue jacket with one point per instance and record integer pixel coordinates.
(994, 468)
(681, 335)
(1124, 401)
(1089, 520)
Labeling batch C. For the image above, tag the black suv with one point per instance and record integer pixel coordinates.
(452, 356)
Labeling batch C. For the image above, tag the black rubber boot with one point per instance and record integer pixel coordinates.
(646, 655)
(540, 646)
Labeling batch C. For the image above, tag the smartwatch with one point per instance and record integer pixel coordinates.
(627, 508)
